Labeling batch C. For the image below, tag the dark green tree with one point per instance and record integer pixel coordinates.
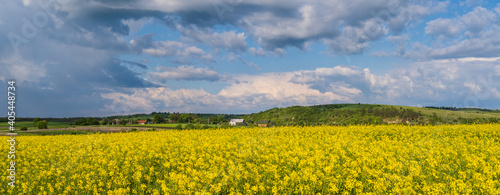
(41, 125)
(184, 118)
(104, 121)
(36, 120)
(157, 119)
(174, 117)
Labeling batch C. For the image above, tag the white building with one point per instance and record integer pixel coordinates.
(235, 122)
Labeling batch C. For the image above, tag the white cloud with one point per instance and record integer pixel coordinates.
(183, 53)
(163, 74)
(485, 43)
(275, 90)
(474, 21)
(478, 19)
(15, 67)
(474, 34)
(444, 27)
(497, 70)
(228, 40)
(136, 25)
(146, 99)
(261, 52)
(355, 40)
(412, 12)
(257, 51)
(400, 42)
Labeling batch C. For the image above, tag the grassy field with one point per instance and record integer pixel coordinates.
(386, 159)
(30, 124)
(456, 114)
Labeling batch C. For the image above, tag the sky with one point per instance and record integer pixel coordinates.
(74, 58)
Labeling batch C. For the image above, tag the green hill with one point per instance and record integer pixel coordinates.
(349, 114)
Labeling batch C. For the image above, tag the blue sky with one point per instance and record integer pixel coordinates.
(98, 58)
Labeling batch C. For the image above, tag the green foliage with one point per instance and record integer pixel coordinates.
(87, 121)
(41, 125)
(335, 114)
(35, 121)
(157, 119)
(133, 129)
(23, 128)
(174, 117)
(184, 118)
(189, 126)
(178, 127)
(104, 121)
(123, 122)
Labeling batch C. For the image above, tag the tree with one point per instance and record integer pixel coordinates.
(174, 117)
(41, 124)
(211, 120)
(36, 120)
(104, 121)
(89, 121)
(221, 120)
(178, 127)
(184, 118)
(123, 122)
(157, 119)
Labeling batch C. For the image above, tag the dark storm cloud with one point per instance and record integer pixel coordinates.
(140, 65)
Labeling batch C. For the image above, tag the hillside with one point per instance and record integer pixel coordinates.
(349, 114)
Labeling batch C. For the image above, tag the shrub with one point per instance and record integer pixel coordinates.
(23, 128)
(35, 121)
(189, 126)
(133, 129)
(205, 127)
(178, 127)
(41, 124)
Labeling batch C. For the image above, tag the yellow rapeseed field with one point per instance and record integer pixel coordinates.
(446, 159)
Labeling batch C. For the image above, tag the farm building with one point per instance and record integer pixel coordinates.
(142, 122)
(237, 122)
(264, 123)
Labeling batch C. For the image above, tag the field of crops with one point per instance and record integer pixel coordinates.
(282, 160)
